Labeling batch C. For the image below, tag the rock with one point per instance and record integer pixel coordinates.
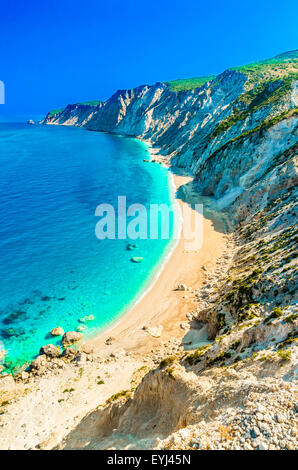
(2, 354)
(86, 348)
(280, 418)
(50, 350)
(82, 327)
(39, 365)
(137, 259)
(71, 337)
(69, 353)
(30, 121)
(87, 318)
(109, 340)
(80, 358)
(263, 445)
(57, 331)
(290, 446)
(181, 287)
(24, 375)
(131, 247)
(261, 409)
(7, 382)
(119, 353)
(155, 331)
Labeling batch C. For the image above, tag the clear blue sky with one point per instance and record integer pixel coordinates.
(58, 52)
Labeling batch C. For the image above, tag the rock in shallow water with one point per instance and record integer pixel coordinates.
(71, 337)
(50, 350)
(57, 331)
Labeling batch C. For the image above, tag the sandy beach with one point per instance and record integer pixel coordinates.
(163, 308)
(42, 410)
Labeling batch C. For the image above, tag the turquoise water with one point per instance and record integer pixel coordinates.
(53, 269)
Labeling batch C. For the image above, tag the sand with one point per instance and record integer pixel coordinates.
(162, 305)
(41, 411)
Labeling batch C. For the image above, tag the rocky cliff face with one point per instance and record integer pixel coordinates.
(237, 134)
(229, 132)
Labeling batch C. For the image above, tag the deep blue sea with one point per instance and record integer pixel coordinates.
(53, 269)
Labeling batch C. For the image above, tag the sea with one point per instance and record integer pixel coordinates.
(54, 270)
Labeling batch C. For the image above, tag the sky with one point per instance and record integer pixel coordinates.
(57, 52)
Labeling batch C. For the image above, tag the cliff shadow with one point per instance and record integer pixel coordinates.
(188, 193)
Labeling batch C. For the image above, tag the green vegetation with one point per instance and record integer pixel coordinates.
(170, 372)
(267, 83)
(285, 355)
(123, 393)
(55, 111)
(189, 83)
(236, 344)
(264, 94)
(278, 66)
(266, 124)
(291, 318)
(221, 357)
(195, 357)
(90, 103)
(291, 339)
(276, 313)
(167, 361)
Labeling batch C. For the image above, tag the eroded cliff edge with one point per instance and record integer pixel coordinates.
(237, 134)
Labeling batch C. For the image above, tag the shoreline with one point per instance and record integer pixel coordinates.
(151, 281)
(140, 327)
(137, 315)
(158, 325)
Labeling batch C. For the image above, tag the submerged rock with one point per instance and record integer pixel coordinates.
(71, 337)
(87, 318)
(131, 247)
(14, 316)
(82, 327)
(137, 259)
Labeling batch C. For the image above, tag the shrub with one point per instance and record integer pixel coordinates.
(285, 355)
(167, 361)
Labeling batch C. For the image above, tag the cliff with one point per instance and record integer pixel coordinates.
(237, 134)
(248, 112)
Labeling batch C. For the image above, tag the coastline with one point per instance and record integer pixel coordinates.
(151, 281)
(141, 327)
(158, 325)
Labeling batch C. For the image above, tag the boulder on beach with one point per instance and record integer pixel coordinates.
(154, 331)
(181, 287)
(71, 337)
(39, 365)
(109, 340)
(57, 331)
(50, 350)
(69, 353)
